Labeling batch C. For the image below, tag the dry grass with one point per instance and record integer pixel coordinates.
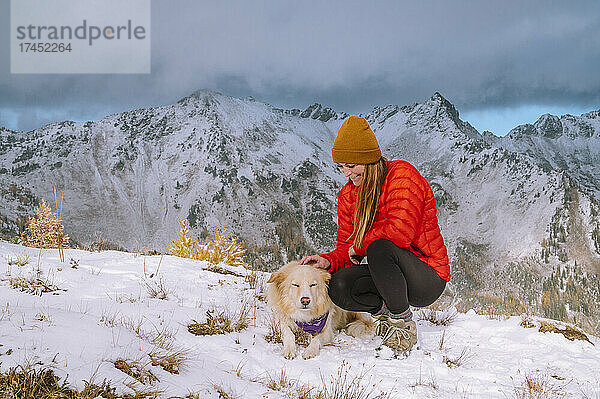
(141, 392)
(344, 385)
(438, 318)
(156, 288)
(33, 284)
(526, 321)
(161, 338)
(125, 298)
(20, 260)
(25, 382)
(538, 386)
(5, 312)
(222, 270)
(170, 361)
(442, 340)
(274, 334)
(257, 280)
(457, 361)
(292, 389)
(224, 393)
(222, 322)
(569, 332)
(136, 369)
(280, 382)
(429, 383)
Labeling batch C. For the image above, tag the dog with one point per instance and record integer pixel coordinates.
(298, 297)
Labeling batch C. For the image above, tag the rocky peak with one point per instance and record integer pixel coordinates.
(205, 96)
(439, 103)
(548, 126)
(317, 111)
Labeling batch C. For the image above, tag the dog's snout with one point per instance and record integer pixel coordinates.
(305, 300)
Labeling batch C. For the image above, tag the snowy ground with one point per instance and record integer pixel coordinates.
(80, 331)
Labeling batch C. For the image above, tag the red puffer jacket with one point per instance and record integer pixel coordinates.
(406, 216)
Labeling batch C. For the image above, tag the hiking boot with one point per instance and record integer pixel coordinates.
(399, 335)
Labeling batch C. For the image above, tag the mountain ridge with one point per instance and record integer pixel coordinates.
(265, 175)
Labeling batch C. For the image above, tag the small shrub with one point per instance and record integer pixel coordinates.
(220, 249)
(45, 229)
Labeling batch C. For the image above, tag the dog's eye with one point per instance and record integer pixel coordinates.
(295, 285)
(313, 285)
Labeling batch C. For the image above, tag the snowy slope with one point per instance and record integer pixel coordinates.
(81, 330)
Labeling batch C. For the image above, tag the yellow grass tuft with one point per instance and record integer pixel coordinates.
(570, 333)
(136, 370)
(170, 361)
(222, 322)
(538, 386)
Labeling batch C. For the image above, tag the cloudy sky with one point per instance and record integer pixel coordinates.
(500, 63)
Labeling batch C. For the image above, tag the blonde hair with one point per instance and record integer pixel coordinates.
(367, 202)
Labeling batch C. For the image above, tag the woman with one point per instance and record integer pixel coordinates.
(387, 213)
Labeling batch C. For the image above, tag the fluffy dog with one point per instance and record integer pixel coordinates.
(298, 296)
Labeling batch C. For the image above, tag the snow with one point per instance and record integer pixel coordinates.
(80, 331)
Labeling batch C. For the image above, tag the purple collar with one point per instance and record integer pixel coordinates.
(314, 326)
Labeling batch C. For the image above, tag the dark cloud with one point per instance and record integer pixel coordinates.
(349, 55)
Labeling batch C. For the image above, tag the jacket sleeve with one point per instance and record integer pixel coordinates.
(338, 258)
(403, 206)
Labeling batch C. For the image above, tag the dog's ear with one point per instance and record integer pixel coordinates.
(276, 277)
(325, 275)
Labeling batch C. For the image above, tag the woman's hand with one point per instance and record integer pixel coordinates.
(315, 260)
(354, 258)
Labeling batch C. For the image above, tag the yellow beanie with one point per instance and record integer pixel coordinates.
(355, 143)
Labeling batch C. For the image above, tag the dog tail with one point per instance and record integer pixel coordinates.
(362, 325)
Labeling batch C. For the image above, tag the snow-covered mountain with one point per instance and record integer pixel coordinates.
(512, 210)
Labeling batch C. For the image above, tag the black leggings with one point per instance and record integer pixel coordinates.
(394, 275)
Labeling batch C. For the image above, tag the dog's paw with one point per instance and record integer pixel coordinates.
(289, 353)
(310, 352)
